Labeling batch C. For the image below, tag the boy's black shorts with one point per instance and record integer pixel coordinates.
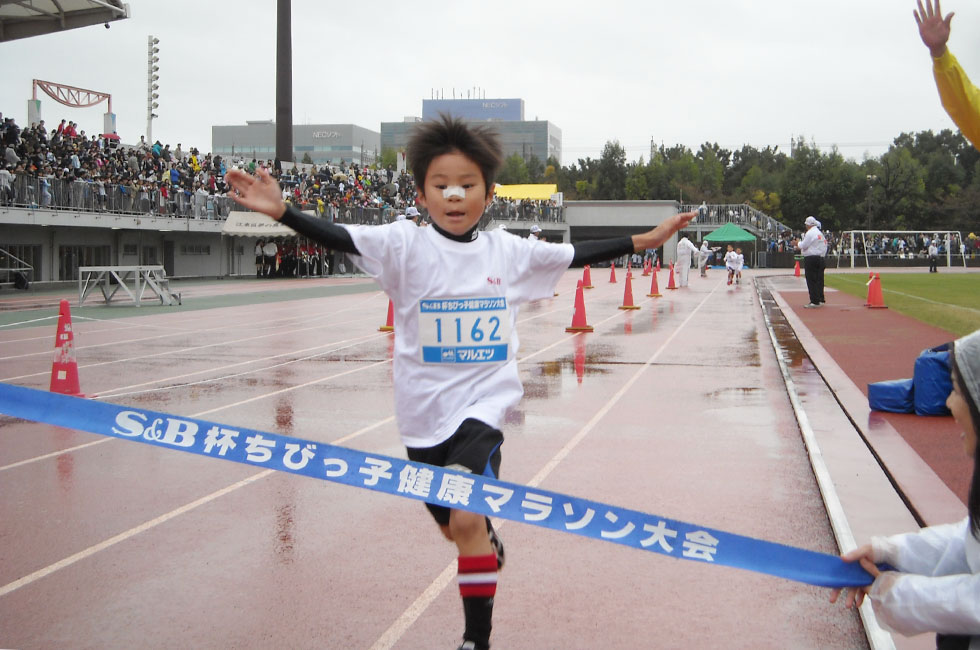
(474, 447)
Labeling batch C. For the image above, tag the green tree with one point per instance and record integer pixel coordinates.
(637, 185)
(307, 160)
(610, 178)
(899, 191)
(514, 171)
(535, 169)
(389, 158)
(711, 171)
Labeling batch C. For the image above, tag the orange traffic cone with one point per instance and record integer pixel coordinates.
(654, 289)
(389, 325)
(646, 268)
(612, 273)
(64, 370)
(587, 278)
(796, 269)
(871, 277)
(670, 280)
(579, 323)
(628, 294)
(876, 299)
(658, 266)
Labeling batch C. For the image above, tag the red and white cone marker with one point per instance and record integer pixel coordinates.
(64, 369)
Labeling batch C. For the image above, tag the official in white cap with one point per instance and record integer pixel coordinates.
(535, 232)
(412, 213)
(813, 246)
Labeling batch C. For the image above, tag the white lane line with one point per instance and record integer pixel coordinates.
(167, 353)
(349, 437)
(26, 322)
(335, 346)
(48, 570)
(121, 537)
(275, 324)
(914, 297)
(394, 633)
(53, 454)
(877, 637)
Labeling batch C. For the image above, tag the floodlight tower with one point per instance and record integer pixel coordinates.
(151, 84)
(284, 81)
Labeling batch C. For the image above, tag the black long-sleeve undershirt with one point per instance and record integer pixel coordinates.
(322, 231)
(338, 238)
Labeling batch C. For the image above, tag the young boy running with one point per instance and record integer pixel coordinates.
(455, 290)
(731, 263)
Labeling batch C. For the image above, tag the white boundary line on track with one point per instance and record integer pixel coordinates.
(112, 541)
(914, 297)
(277, 332)
(27, 322)
(85, 553)
(877, 638)
(350, 343)
(272, 323)
(349, 437)
(88, 552)
(393, 634)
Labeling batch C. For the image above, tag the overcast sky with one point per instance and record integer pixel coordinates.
(847, 72)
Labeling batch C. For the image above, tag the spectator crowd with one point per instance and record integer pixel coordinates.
(65, 168)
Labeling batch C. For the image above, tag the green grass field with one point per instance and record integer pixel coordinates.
(950, 301)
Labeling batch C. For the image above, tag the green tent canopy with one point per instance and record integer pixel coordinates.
(730, 232)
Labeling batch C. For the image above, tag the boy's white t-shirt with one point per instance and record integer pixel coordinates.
(416, 267)
(731, 259)
(739, 261)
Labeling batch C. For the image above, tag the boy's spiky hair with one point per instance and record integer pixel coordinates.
(448, 134)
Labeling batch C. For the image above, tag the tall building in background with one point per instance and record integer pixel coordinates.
(323, 143)
(527, 138)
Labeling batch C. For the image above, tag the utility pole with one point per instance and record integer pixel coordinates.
(151, 85)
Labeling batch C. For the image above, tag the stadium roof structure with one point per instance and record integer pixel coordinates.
(26, 18)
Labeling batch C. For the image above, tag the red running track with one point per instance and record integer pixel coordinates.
(676, 409)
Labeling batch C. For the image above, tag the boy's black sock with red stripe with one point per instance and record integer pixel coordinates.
(477, 586)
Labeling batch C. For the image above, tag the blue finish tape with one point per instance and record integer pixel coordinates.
(434, 485)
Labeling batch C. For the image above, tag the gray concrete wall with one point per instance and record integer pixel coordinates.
(600, 219)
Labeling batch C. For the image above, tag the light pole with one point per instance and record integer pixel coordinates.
(151, 85)
(871, 178)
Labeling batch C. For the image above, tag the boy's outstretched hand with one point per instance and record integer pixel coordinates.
(260, 193)
(656, 237)
(933, 28)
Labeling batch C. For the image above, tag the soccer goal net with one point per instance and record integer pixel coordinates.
(900, 248)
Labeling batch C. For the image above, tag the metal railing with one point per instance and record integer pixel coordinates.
(13, 269)
(526, 213)
(43, 193)
(741, 214)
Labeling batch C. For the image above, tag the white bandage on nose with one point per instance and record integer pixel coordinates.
(454, 190)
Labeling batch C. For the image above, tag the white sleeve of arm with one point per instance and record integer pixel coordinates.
(913, 604)
(936, 590)
(922, 551)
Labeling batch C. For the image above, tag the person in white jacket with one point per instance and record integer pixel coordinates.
(685, 249)
(704, 254)
(935, 584)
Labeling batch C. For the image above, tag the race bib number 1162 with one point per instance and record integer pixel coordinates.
(464, 330)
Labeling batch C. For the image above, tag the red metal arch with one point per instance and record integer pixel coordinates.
(70, 95)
